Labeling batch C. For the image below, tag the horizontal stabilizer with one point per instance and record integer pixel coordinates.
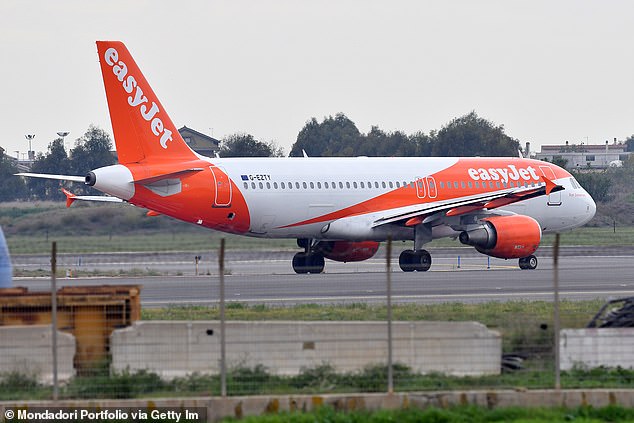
(56, 177)
(70, 198)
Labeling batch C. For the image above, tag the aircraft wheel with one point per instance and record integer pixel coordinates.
(406, 261)
(299, 263)
(411, 260)
(528, 263)
(308, 263)
(422, 258)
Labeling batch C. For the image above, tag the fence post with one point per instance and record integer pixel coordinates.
(390, 371)
(223, 350)
(556, 323)
(54, 317)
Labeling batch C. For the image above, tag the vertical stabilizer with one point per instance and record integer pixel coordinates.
(142, 129)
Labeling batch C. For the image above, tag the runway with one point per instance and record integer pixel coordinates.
(256, 278)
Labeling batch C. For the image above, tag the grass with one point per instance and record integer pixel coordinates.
(322, 379)
(472, 414)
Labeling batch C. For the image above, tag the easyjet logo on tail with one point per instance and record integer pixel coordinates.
(138, 99)
(505, 174)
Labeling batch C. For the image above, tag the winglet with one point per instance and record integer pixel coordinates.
(70, 197)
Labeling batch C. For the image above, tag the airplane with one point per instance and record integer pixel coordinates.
(337, 208)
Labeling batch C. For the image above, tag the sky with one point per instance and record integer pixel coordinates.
(549, 71)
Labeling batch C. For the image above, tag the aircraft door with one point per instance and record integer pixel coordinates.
(554, 198)
(222, 184)
(420, 187)
(431, 187)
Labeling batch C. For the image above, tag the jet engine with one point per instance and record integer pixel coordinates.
(347, 250)
(505, 236)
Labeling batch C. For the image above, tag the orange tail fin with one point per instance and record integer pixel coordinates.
(142, 129)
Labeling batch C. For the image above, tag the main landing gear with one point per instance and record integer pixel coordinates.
(309, 261)
(410, 261)
(528, 263)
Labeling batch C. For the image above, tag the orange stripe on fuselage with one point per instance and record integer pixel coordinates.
(464, 171)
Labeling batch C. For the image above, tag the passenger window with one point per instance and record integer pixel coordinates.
(319, 185)
(312, 185)
(442, 184)
(354, 184)
(362, 184)
(470, 184)
(261, 185)
(268, 185)
(398, 184)
(297, 185)
(305, 185)
(383, 184)
(348, 185)
(340, 185)
(253, 185)
(463, 185)
(282, 185)
(391, 185)
(497, 184)
(246, 185)
(455, 184)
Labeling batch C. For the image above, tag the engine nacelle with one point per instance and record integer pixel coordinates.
(347, 250)
(505, 236)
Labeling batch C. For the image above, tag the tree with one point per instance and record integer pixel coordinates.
(92, 151)
(597, 184)
(471, 135)
(335, 136)
(630, 143)
(56, 162)
(244, 145)
(11, 187)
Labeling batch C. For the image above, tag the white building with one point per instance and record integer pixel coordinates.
(596, 156)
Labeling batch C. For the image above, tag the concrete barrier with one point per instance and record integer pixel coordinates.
(28, 350)
(593, 347)
(177, 348)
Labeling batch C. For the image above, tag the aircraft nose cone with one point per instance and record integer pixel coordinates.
(592, 207)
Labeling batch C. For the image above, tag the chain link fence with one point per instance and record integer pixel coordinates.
(239, 321)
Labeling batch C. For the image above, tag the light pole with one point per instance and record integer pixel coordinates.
(63, 135)
(31, 155)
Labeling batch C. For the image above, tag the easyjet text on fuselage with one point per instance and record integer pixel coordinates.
(510, 172)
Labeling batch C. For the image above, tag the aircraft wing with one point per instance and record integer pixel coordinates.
(423, 213)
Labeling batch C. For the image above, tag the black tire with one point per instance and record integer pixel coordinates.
(406, 261)
(528, 263)
(410, 261)
(308, 263)
(422, 259)
(299, 263)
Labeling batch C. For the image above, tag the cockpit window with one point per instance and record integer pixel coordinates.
(574, 183)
